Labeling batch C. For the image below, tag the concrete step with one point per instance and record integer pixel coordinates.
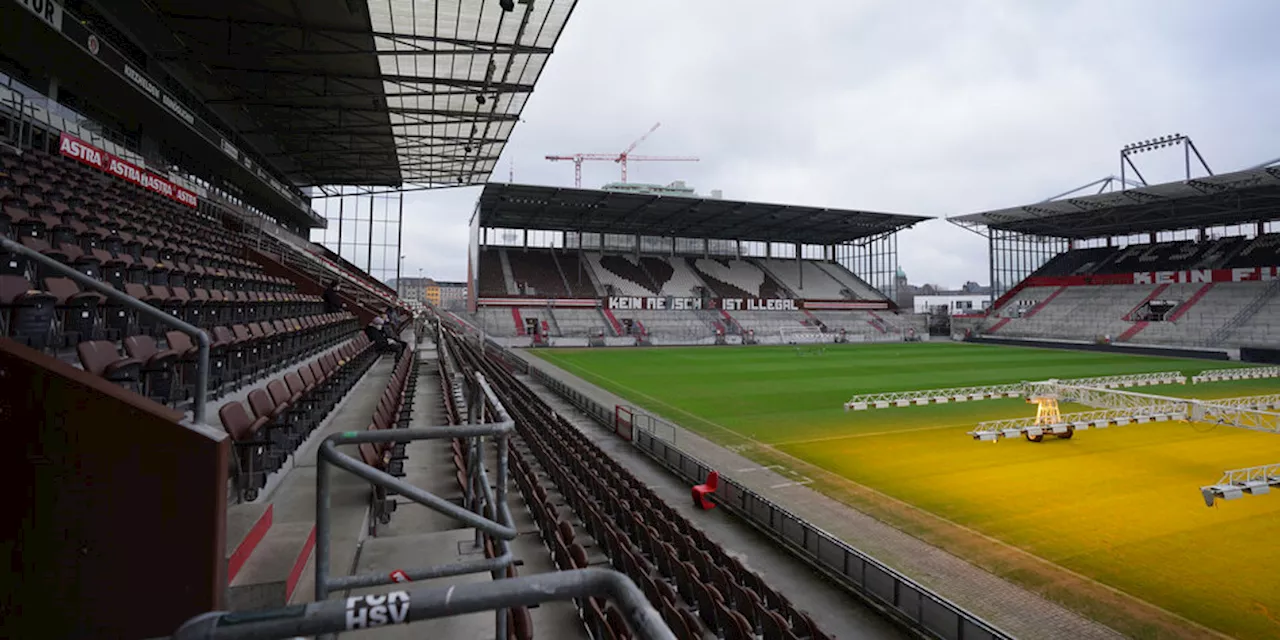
(268, 579)
(247, 525)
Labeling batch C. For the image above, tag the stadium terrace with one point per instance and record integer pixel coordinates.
(225, 400)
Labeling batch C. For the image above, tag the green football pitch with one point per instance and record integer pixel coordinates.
(1119, 506)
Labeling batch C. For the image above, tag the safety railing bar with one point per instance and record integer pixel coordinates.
(426, 603)
(202, 339)
(502, 530)
(420, 433)
(342, 583)
(329, 452)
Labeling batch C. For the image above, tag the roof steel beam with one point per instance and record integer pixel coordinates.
(485, 86)
(338, 31)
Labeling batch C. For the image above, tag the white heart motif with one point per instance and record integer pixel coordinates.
(739, 273)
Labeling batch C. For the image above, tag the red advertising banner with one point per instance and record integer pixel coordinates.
(1188, 276)
(74, 147)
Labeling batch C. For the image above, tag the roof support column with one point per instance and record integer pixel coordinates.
(341, 205)
(400, 241)
(799, 264)
(369, 256)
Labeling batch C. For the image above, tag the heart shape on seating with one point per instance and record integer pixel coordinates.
(738, 273)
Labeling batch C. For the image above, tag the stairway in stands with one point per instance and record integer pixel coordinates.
(274, 541)
(1245, 314)
(612, 321)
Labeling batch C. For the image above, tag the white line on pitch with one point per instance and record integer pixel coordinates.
(792, 484)
(750, 469)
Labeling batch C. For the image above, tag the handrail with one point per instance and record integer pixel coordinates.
(503, 529)
(202, 339)
(403, 607)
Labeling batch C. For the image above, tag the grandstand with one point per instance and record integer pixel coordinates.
(677, 269)
(1189, 264)
(203, 424)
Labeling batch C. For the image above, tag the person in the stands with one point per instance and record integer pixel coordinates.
(332, 301)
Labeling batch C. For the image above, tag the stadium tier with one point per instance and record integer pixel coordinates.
(1201, 292)
(223, 410)
(549, 296)
(199, 382)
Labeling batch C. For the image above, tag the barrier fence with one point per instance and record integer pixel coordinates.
(885, 589)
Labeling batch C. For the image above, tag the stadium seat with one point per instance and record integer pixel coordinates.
(101, 358)
(78, 310)
(159, 367)
(250, 448)
(26, 314)
(702, 492)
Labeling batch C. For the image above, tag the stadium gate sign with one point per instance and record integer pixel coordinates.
(675, 303)
(74, 147)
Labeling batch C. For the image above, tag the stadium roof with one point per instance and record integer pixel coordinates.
(366, 92)
(1242, 197)
(515, 206)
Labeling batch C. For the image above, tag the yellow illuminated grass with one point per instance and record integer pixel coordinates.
(1118, 505)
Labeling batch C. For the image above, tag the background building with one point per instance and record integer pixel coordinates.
(412, 288)
(955, 303)
(448, 295)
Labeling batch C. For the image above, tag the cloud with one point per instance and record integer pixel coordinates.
(935, 108)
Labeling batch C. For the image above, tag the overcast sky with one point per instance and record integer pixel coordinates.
(933, 108)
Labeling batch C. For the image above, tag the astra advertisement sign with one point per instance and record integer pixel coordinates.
(74, 147)
(673, 303)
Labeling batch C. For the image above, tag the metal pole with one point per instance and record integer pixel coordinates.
(1186, 156)
(341, 206)
(201, 338)
(403, 607)
(322, 529)
(329, 451)
(400, 240)
(369, 256)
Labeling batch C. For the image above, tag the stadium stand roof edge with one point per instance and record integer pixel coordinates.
(1241, 197)
(520, 206)
(379, 93)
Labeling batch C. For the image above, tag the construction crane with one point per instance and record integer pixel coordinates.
(620, 158)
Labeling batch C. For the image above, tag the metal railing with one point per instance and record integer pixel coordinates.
(404, 607)
(502, 530)
(201, 392)
(1238, 373)
(325, 617)
(22, 128)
